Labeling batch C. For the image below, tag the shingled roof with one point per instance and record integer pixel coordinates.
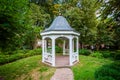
(59, 24)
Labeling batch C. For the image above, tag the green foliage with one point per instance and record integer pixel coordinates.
(19, 54)
(105, 78)
(117, 55)
(58, 49)
(112, 9)
(97, 54)
(13, 23)
(104, 33)
(85, 52)
(83, 18)
(109, 72)
(106, 54)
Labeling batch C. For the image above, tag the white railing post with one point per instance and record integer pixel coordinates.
(43, 50)
(70, 51)
(53, 51)
(77, 47)
(64, 48)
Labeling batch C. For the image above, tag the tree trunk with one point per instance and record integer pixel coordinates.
(97, 47)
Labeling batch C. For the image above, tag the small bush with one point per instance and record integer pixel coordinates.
(117, 55)
(19, 54)
(97, 54)
(58, 49)
(109, 72)
(106, 54)
(105, 78)
(85, 52)
(35, 52)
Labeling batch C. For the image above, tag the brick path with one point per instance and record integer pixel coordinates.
(63, 74)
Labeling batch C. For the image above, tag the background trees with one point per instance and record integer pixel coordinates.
(21, 21)
(13, 23)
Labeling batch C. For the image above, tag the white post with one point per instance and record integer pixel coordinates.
(64, 47)
(53, 51)
(77, 47)
(43, 50)
(73, 45)
(70, 51)
(45, 45)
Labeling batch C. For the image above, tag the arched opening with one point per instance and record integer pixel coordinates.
(48, 50)
(74, 50)
(62, 51)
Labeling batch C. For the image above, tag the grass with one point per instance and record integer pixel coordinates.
(30, 68)
(86, 68)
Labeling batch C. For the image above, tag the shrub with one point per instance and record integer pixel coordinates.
(96, 54)
(117, 55)
(35, 52)
(85, 52)
(19, 54)
(3, 59)
(106, 54)
(108, 72)
(58, 49)
(105, 78)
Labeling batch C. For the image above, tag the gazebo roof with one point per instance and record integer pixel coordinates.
(59, 24)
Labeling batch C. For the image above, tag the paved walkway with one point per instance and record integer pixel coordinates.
(63, 74)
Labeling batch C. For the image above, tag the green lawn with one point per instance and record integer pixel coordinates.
(87, 66)
(30, 68)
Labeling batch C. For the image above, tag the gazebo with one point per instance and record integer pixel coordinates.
(59, 29)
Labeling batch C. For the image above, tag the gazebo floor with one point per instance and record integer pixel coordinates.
(62, 61)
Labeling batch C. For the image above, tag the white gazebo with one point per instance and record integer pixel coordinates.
(59, 29)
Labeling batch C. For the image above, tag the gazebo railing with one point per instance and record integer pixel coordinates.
(48, 57)
(74, 57)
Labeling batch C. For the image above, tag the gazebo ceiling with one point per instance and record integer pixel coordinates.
(59, 26)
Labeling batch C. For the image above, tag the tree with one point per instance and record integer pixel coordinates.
(13, 22)
(82, 17)
(105, 33)
(111, 9)
(39, 19)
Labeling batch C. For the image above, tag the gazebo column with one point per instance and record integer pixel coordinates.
(70, 51)
(64, 47)
(45, 45)
(73, 45)
(77, 47)
(43, 49)
(53, 51)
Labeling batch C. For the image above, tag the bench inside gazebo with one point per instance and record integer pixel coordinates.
(60, 29)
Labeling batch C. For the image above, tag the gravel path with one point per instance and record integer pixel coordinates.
(63, 74)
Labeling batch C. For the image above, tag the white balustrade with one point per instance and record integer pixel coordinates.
(74, 57)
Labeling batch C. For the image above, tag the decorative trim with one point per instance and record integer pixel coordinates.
(59, 32)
